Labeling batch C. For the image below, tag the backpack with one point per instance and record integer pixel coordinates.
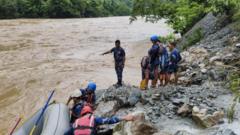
(178, 56)
(145, 62)
(76, 110)
(84, 125)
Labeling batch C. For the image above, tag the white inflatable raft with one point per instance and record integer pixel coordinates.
(55, 121)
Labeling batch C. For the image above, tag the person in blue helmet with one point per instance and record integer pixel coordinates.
(80, 97)
(175, 58)
(163, 64)
(119, 58)
(154, 59)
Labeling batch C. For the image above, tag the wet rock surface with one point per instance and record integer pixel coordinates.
(170, 102)
(138, 127)
(225, 132)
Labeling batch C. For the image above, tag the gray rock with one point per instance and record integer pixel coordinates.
(225, 132)
(214, 58)
(204, 70)
(107, 108)
(184, 110)
(238, 45)
(177, 101)
(182, 132)
(134, 97)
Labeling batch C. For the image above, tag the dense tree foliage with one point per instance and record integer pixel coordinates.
(64, 8)
(182, 14)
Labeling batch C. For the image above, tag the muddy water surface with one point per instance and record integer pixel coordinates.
(37, 56)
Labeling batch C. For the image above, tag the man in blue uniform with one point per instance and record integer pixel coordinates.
(119, 58)
(154, 59)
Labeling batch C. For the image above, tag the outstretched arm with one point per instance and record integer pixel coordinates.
(113, 120)
(69, 100)
(110, 51)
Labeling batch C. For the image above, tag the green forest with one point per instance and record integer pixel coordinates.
(63, 8)
(183, 14)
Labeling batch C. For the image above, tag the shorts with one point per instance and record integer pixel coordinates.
(173, 69)
(162, 70)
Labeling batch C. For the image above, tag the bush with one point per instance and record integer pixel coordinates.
(193, 39)
(182, 14)
(168, 38)
(235, 88)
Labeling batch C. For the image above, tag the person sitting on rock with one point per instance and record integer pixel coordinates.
(175, 58)
(145, 72)
(80, 98)
(163, 64)
(154, 59)
(87, 123)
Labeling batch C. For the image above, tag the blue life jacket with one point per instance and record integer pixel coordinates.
(163, 59)
(175, 56)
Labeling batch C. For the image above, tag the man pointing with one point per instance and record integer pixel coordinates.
(119, 58)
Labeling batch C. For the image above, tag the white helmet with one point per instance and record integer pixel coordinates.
(76, 93)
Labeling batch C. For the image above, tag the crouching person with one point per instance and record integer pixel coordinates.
(80, 97)
(87, 123)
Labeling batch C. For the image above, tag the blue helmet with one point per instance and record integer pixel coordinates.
(154, 38)
(91, 86)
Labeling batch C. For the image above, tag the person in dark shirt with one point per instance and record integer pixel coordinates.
(175, 58)
(154, 59)
(119, 58)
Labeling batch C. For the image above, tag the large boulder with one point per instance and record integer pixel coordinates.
(202, 118)
(107, 109)
(125, 96)
(138, 127)
(184, 110)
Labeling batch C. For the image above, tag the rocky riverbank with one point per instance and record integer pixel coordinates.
(199, 104)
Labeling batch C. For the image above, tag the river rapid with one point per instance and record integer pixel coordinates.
(38, 55)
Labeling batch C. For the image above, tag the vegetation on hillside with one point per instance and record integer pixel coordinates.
(183, 14)
(63, 8)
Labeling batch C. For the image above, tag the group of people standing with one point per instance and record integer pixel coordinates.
(160, 64)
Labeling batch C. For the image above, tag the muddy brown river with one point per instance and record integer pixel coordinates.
(38, 55)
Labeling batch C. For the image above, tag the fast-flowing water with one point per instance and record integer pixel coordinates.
(39, 55)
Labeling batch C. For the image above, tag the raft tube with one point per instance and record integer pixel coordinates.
(55, 121)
